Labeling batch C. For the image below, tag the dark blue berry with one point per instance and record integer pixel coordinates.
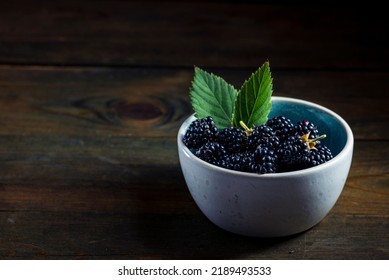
(200, 132)
(239, 161)
(259, 135)
(264, 160)
(290, 153)
(233, 139)
(316, 156)
(282, 127)
(305, 127)
(213, 153)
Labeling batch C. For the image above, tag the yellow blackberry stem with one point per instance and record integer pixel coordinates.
(246, 128)
(312, 142)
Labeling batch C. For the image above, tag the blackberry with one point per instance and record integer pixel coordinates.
(233, 139)
(277, 146)
(271, 142)
(291, 151)
(259, 135)
(213, 153)
(316, 156)
(304, 127)
(264, 161)
(282, 127)
(239, 161)
(200, 132)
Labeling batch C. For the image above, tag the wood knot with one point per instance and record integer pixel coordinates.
(138, 111)
(135, 111)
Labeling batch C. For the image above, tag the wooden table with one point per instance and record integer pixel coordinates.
(92, 94)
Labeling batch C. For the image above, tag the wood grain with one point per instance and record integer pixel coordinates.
(155, 33)
(180, 236)
(86, 174)
(92, 94)
(154, 102)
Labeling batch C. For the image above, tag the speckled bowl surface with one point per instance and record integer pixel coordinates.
(279, 204)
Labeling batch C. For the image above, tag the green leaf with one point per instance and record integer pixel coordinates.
(253, 103)
(213, 96)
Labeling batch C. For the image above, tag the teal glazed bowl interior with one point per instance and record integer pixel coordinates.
(327, 122)
(278, 204)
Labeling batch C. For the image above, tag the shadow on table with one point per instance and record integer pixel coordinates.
(190, 235)
(196, 238)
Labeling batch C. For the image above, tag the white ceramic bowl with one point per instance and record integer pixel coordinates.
(278, 204)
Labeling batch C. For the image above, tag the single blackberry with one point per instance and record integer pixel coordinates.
(260, 134)
(199, 132)
(271, 142)
(213, 153)
(239, 161)
(264, 160)
(233, 139)
(304, 127)
(282, 127)
(291, 151)
(316, 156)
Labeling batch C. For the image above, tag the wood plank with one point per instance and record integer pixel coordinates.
(92, 94)
(223, 34)
(42, 176)
(81, 206)
(96, 235)
(153, 102)
(89, 167)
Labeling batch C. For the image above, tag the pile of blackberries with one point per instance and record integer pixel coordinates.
(278, 146)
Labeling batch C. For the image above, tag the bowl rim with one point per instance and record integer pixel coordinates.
(343, 153)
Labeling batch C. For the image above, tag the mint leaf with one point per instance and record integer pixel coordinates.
(253, 103)
(213, 96)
